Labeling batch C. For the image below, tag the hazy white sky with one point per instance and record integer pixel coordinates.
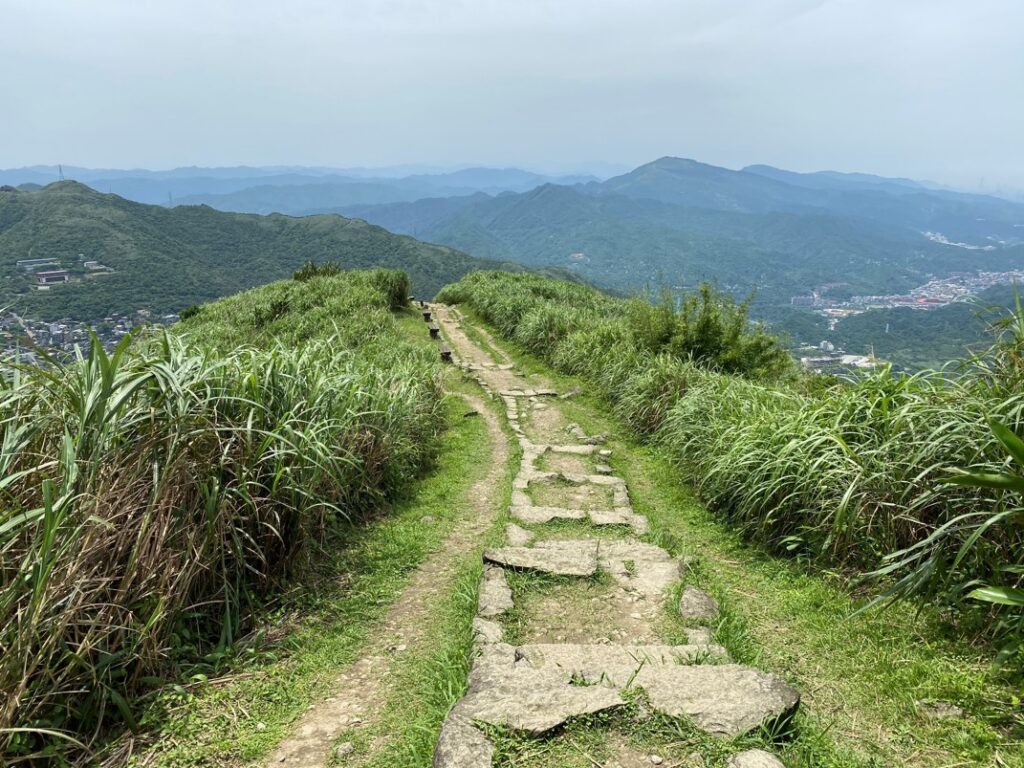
(924, 88)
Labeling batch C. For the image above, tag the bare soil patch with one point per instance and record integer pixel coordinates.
(585, 611)
(561, 493)
(566, 463)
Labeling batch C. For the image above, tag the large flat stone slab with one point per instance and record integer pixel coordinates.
(535, 688)
(626, 517)
(612, 665)
(727, 700)
(575, 450)
(505, 690)
(532, 515)
(561, 558)
(495, 594)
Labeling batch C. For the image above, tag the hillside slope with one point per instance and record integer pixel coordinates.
(165, 259)
(681, 224)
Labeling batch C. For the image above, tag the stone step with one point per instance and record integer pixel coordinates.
(640, 567)
(578, 450)
(536, 688)
(495, 596)
(560, 558)
(626, 516)
(534, 515)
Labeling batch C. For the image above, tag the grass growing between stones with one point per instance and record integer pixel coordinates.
(567, 495)
(240, 716)
(562, 528)
(555, 609)
(626, 737)
(861, 674)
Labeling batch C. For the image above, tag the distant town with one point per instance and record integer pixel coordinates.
(937, 292)
(48, 271)
(22, 340)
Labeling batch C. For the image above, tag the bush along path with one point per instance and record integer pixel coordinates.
(573, 609)
(362, 692)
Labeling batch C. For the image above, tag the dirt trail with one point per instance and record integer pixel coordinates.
(362, 690)
(550, 650)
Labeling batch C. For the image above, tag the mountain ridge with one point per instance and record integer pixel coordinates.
(163, 259)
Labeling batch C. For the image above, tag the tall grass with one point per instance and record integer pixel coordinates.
(151, 498)
(849, 474)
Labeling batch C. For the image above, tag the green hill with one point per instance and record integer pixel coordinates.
(164, 259)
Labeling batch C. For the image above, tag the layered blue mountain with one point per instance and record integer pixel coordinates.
(288, 190)
(680, 222)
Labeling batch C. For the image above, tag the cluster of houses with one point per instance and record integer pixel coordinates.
(48, 271)
(825, 358)
(22, 339)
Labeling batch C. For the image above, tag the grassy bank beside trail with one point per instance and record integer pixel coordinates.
(870, 680)
(852, 475)
(155, 499)
(320, 629)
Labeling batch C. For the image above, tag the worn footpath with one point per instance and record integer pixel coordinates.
(571, 609)
(591, 644)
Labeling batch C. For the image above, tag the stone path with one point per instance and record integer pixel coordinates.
(535, 687)
(361, 692)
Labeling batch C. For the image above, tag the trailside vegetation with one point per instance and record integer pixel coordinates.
(153, 498)
(860, 475)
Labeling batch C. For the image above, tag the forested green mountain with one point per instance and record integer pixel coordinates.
(164, 259)
(682, 222)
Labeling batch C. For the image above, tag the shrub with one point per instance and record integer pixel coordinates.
(311, 269)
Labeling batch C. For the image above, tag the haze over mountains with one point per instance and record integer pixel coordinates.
(256, 190)
(761, 228)
(674, 222)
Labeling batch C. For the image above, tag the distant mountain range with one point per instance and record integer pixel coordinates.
(673, 222)
(286, 189)
(164, 259)
(680, 222)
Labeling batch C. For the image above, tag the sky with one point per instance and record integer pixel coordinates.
(931, 89)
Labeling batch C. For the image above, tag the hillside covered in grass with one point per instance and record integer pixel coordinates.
(863, 476)
(165, 259)
(156, 498)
